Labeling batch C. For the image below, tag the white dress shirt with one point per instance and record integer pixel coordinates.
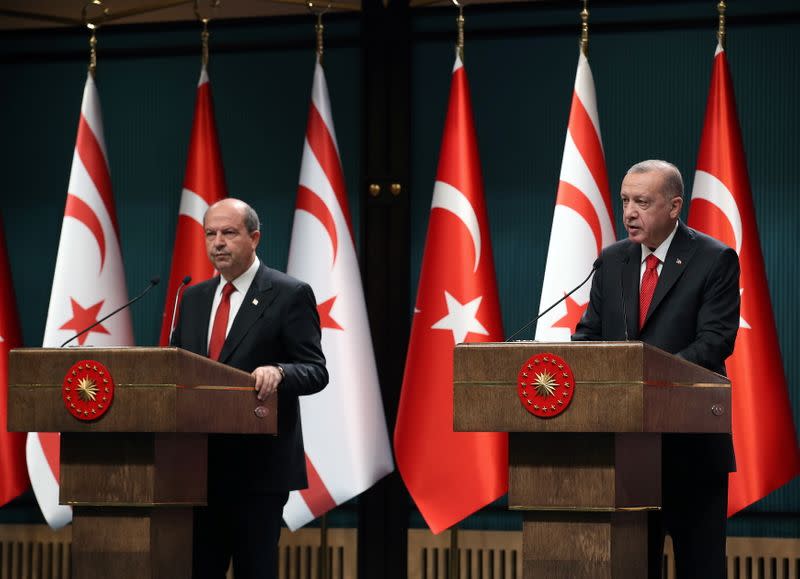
(242, 284)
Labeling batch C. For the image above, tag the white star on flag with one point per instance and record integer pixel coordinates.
(461, 318)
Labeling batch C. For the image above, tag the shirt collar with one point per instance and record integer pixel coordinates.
(242, 283)
(660, 251)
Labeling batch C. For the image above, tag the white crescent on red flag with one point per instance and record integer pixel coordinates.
(765, 441)
(88, 283)
(203, 185)
(13, 474)
(450, 475)
(344, 426)
(583, 221)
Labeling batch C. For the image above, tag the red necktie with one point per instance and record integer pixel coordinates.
(220, 322)
(649, 281)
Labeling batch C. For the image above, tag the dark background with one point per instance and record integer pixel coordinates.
(388, 73)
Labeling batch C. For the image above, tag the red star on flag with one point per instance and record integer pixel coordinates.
(82, 318)
(573, 316)
(325, 318)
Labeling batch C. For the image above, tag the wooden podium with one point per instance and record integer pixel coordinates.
(586, 478)
(133, 475)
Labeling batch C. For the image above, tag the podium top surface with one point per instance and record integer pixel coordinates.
(619, 387)
(157, 390)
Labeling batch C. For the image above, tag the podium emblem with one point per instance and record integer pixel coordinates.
(545, 385)
(88, 390)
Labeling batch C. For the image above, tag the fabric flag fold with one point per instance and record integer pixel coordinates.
(344, 426)
(13, 474)
(203, 185)
(583, 221)
(88, 283)
(450, 474)
(765, 442)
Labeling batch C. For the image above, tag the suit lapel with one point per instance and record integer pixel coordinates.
(258, 297)
(680, 252)
(630, 281)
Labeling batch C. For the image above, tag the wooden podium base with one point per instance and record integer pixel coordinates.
(568, 545)
(132, 543)
(132, 497)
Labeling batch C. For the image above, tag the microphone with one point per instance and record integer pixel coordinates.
(622, 294)
(153, 282)
(595, 266)
(184, 282)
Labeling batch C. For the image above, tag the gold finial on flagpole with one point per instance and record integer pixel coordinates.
(721, 6)
(93, 26)
(460, 28)
(204, 35)
(319, 27)
(585, 28)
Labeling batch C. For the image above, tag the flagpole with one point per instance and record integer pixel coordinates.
(93, 26)
(453, 558)
(204, 20)
(721, 6)
(585, 29)
(319, 29)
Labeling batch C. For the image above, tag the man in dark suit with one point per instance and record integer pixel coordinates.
(264, 322)
(678, 289)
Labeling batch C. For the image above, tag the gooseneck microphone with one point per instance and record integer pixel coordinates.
(595, 266)
(153, 282)
(622, 294)
(184, 282)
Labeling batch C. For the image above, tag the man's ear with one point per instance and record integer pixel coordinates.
(677, 204)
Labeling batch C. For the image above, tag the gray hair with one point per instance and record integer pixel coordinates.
(673, 182)
(251, 221)
(249, 215)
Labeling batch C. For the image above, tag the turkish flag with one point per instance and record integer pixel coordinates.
(344, 426)
(450, 474)
(88, 283)
(764, 438)
(203, 185)
(13, 474)
(583, 222)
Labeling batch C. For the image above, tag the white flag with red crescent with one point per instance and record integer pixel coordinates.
(88, 283)
(583, 222)
(344, 426)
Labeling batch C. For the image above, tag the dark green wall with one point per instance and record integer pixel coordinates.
(651, 63)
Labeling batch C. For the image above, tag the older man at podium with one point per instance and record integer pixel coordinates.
(678, 289)
(262, 321)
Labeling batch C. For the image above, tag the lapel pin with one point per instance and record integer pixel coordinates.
(678, 261)
(255, 301)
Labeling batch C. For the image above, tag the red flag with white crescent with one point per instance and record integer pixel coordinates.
(451, 474)
(344, 426)
(765, 442)
(13, 474)
(88, 283)
(203, 185)
(583, 221)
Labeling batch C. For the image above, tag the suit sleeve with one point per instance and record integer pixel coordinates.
(718, 316)
(304, 370)
(590, 326)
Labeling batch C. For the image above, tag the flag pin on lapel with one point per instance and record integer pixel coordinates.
(678, 261)
(255, 301)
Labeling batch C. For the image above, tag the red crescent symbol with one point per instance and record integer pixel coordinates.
(572, 197)
(309, 201)
(78, 209)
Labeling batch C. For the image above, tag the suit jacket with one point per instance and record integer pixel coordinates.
(277, 323)
(694, 313)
